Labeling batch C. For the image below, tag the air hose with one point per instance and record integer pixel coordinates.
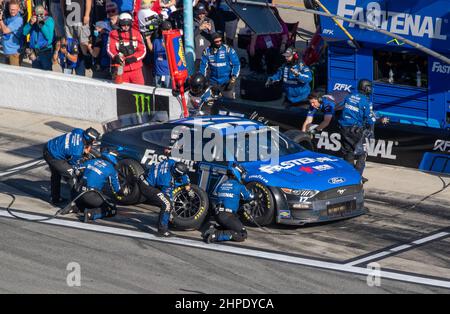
(58, 212)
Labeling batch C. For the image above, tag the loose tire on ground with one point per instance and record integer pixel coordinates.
(189, 214)
(129, 172)
(301, 138)
(264, 210)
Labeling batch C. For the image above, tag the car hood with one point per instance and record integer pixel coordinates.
(304, 170)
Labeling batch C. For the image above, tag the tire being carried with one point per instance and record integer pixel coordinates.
(263, 212)
(129, 172)
(189, 212)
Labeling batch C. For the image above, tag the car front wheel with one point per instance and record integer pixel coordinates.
(263, 208)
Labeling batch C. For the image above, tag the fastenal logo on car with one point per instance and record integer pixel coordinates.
(395, 22)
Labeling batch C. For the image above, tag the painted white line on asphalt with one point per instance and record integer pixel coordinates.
(240, 251)
(16, 169)
(399, 248)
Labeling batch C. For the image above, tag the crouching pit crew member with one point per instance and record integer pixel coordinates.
(200, 96)
(356, 117)
(97, 173)
(158, 186)
(63, 154)
(229, 195)
(324, 104)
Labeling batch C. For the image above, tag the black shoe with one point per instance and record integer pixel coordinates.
(164, 234)
(209, 235)
(364, 180)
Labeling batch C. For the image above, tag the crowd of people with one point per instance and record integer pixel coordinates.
(111, 36)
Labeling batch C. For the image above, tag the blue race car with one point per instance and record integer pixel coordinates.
(301, 187)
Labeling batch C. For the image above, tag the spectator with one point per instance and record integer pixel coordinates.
(167, 8)
(77, 19)
(224, 65)
(177, 18)
(148, 24)
(99, 10)
(99, 51)
(58, 17)
(66, 55)
(11, 28)
(125, 5)
(112, 13)
(126, 48)
(41, 29)
(203, 28)
(162, 73)
(225, 20)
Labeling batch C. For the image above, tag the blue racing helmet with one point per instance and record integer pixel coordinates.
(90, 135)
(237, 171)
(111, 156)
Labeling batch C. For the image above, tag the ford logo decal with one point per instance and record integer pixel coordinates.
(336, 180)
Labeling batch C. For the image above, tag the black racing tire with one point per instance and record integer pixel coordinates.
(301, 138)
(129, 172)
(189, 213)
(264, 210)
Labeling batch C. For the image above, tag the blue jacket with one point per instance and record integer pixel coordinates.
(296, 87)
(41, 37)
(98, 172)
(356, 111)
(160, 176)
(229, 194)
(68, 147)
(160, 58)
(72, 48)
(327, 107)
(222, 62)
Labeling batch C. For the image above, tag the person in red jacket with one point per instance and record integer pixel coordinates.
(126, 48)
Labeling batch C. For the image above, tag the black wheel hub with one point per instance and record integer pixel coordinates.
(185, 206)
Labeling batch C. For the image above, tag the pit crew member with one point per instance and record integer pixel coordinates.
(324, 104)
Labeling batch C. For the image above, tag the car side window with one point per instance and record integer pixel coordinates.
(161, 137)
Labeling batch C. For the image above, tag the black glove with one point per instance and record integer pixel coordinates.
(229, 86)
(117, 60)
(130, 60)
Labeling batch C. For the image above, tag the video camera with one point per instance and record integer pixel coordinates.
(152, 24)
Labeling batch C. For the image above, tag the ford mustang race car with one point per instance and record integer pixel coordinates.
(297, 187)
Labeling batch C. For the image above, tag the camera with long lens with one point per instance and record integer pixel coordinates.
(40, 19)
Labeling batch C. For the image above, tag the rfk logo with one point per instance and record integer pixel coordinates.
(342, 87)
(142, 102)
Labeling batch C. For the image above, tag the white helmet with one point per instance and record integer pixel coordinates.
(125, 19)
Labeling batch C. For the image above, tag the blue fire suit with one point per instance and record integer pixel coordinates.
(356, 117)
(63, 154)
(326, 106)
(97, 173)
(296, 79)
(158, 186)
(223, 63)
(229, 194)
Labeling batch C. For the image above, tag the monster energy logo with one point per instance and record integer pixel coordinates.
(141, 100)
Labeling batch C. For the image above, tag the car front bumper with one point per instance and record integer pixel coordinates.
(326, 207)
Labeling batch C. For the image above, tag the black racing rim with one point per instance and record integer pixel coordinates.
(185, 206)
(261, 206)
(126, 176)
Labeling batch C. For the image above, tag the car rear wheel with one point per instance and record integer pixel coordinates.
(263, 210)
(189, 212)
(129, 172)
(301, 138)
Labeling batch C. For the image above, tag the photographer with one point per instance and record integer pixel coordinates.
(203, 28)
(41, 29)
(11, 28)
(66, 55)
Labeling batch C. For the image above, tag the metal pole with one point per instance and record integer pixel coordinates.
(188, 33)
(371, 27)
